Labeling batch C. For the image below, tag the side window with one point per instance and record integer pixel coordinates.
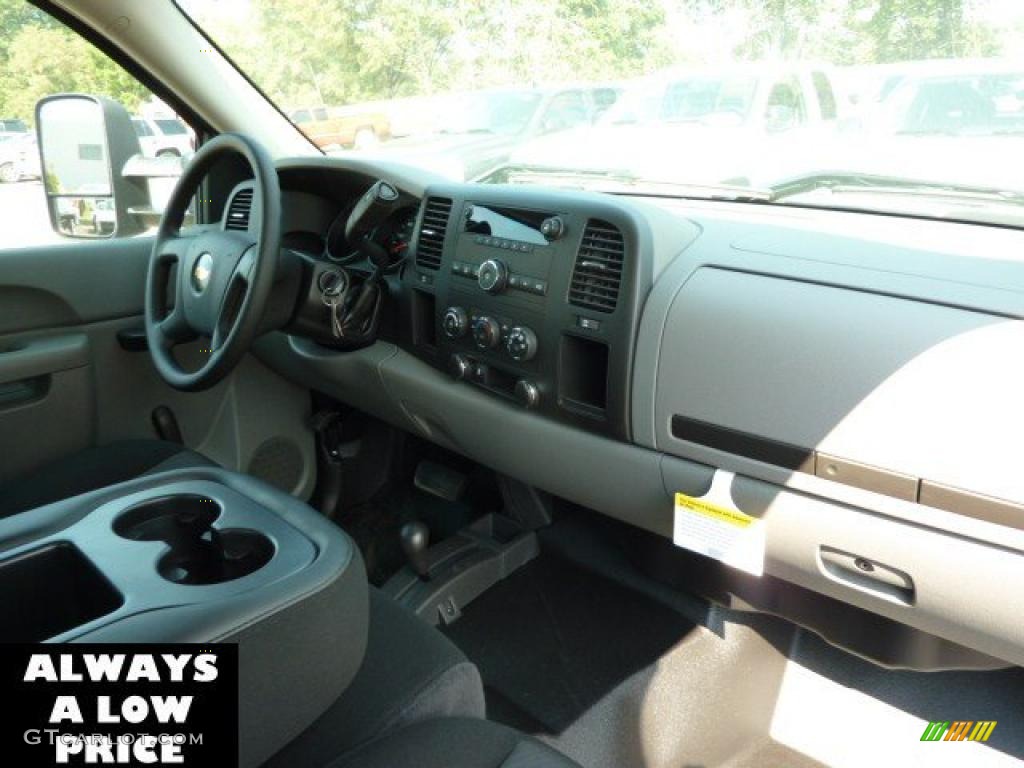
(566, 110)
(603, 99)
(69, 189)
(826, 96)
(785, 109)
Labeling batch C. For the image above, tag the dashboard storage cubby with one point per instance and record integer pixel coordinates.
(51, 590)
(199, 553)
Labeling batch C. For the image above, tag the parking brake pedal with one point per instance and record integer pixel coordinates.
(166, 425)
(439, 480)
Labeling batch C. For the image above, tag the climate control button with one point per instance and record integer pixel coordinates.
(527, 393)
(486, 332)
(460, 366)
(521, 344)
(455, 322)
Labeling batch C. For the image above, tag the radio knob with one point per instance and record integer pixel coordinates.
(527, 393)
(521, 344)
(455, 322)
(460, 366)
(486, 332)
(552, 228)
(493, 276)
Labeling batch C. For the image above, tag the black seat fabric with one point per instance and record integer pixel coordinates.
(455, 743)
(91, 469)
(410, 673)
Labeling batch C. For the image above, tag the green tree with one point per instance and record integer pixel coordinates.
(41, 57)
(43, 60)
(898, 30)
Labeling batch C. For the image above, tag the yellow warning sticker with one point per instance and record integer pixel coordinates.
(702, 507)
(712, 525)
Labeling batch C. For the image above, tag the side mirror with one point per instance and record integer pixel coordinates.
(84, 143)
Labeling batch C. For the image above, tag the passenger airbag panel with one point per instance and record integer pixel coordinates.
(893, 390)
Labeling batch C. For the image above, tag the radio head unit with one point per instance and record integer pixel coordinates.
(518, 225)
(531, 297)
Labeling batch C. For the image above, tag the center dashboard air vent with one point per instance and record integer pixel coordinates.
(239, 210)
(431, 240)
(597, 274)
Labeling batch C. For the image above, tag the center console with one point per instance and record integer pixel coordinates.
(198, 555)
(531, 296)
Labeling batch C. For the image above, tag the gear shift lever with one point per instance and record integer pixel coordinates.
(415, 538)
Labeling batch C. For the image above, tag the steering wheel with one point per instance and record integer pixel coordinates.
(223, 279)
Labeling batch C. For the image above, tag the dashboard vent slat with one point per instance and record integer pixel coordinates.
(239, 211)
(597, 274)
(430, 246)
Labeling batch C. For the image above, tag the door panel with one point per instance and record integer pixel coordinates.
(66, 382)
(45, 390)
(71, 283)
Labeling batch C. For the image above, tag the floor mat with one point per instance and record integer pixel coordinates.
(551, 639)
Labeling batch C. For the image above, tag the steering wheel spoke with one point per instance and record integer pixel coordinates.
(165, 298)
(173, 247)
(173, 328)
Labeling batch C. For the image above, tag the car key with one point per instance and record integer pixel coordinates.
(334, 286)
(334, 304)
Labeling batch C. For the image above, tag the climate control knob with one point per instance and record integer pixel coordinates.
(493, 276)
(486, 332)
(455, 322)
(521, 344)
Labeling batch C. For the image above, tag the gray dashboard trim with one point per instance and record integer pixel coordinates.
(634, 484)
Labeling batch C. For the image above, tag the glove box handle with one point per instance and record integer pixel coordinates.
(867, 575)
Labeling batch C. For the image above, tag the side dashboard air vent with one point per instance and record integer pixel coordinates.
(597, 274)
(431, 240)
(239, 210)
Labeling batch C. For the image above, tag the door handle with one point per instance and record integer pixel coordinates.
(133, 339)
(31, 359)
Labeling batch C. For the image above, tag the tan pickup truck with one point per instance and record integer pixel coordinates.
(349, 126)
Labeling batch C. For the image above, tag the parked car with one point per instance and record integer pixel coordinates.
(12, 126)
(479, 130)
(353, 126)
(104, 216)
(718, 124)
(968, 112)
(19, 157)
(162, 136)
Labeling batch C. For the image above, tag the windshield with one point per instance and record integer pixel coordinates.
(689, 98)
(506, 112)
(784, 100)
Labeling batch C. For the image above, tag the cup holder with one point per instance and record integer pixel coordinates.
(199, 553)
(169, 518)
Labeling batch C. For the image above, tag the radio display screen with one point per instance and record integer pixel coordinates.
(507, 223)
